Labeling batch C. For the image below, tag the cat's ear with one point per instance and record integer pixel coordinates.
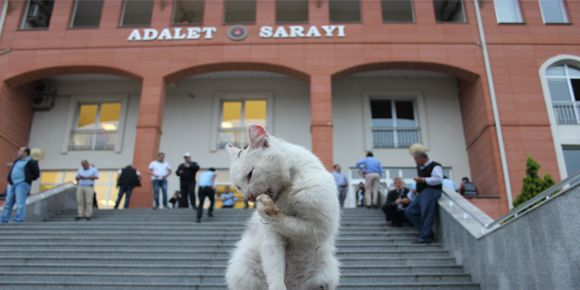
(259, 137)
(234, 151)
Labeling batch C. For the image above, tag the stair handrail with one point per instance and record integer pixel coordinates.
(49, 192)
(562, 186)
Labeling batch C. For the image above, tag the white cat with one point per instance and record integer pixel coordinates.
(289, 242)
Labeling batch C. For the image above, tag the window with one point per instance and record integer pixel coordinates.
(96, 127)
(564, 85)
(105, 187)
(236, 115)
(37, 14)
(137, 13)
(87, 13)
(239, 11)
(397, 11)
(394, 123)
(344, 10)
(188, 12)
(553, 11)
(449, 11)
(291, 11)
(572, 159)
(508, 11)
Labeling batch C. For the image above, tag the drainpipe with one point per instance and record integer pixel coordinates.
(506, 177)
(3, 17)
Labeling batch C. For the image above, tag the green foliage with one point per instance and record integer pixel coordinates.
(533, 184)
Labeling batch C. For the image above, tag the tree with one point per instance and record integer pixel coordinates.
(533, 184)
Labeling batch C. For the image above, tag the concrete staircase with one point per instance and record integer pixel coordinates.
(166, 249)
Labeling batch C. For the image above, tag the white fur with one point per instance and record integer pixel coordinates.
(289, 242)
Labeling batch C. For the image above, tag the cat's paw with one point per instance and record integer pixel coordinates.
(266, 207)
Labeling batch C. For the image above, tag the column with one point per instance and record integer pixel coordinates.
(321, 116)
(148, 137)
(16, 119)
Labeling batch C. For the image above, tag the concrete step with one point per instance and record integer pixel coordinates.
(188, 233)
(25, 285)
(17, 285)
(112, 259)
(78, 277)
(218, 269)
(189, 253)
(113, 246)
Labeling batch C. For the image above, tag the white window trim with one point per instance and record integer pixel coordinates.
(562, 10)
(73, 14)
(222, 96)
(519, 12)
(558, 143)
(74, 105)
(416, 96)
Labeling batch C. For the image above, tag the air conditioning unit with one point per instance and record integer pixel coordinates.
(42, 102)
(37, 16)
(44, 88)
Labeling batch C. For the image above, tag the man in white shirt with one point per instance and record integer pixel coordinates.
(159, 170)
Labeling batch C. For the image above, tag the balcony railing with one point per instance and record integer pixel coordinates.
(395, 137)
(567, 112)
(92, 140)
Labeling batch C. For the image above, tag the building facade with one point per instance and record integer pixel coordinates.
(115, 82)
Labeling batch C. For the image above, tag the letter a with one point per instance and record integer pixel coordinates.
(135, 35)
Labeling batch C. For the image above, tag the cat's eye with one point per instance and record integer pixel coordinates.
(250, 175)
(239, 189)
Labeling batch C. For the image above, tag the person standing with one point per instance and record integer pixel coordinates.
(127, 179)
(372, 173)
(207, 189)
(186, 172)
(228, 198)
(86, 176)
(397, 202)
(421, 212)
(24, 171)
(341, 184)
(159, 170)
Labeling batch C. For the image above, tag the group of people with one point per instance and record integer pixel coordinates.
(416, 205)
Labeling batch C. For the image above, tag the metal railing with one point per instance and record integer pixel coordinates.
(559, 188)
(93, 140)
(391, 137)
(567, 112)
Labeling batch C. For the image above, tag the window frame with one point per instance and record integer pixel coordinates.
(73, 114)
(74, 13)
(290, 22)
(25, 15)
(462, 9)
(134, 25)
(186, 24)
(412, 13)
(226, 96)
(347, 21)
(563, 10)
(224, 22)
(419, 107)
(519, 13)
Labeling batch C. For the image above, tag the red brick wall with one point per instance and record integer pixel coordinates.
(16, 119)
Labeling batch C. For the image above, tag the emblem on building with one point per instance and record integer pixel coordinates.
(237, 32)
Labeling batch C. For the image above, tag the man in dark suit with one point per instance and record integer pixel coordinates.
(397, 202)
